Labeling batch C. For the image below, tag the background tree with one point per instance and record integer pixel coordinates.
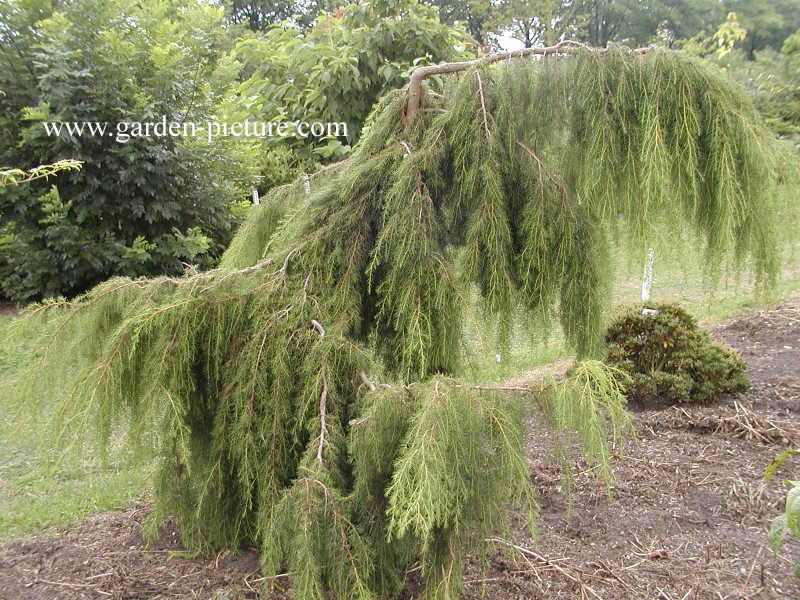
(258, 15)
(635, 22)
(138, 207)
(768, 24)
(18, 37)
(671, 20)
(335, 72)
(532, 22)
(598, 22)
(474, 15)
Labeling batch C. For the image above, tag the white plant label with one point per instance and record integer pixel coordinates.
(647, 279)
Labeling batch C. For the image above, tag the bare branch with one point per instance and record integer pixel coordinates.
(259, 265)
(422, 73)
(543, 169)
(323, 412)
(367, 382)
(286, 260)
(318, 326)
(483, 105)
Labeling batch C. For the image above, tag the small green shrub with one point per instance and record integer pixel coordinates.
(670, 358)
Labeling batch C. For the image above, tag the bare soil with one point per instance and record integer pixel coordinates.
(686, 519)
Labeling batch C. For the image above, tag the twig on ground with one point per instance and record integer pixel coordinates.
(552, 565)
(750, 572)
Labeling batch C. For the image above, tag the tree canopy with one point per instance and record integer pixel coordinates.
(151, 205)
(302, 394)
(631, 22)
(140, 207)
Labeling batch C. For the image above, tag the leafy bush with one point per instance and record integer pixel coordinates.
(335, 72)
(143, 207)
(789, 520)
(668, 356)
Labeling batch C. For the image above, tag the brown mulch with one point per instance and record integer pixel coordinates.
(105, 557)
(686, 519)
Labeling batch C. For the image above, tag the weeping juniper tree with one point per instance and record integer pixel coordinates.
(300, 396)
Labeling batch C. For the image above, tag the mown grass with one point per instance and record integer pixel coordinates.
(41, 488)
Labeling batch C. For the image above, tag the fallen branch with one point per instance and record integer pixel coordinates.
(743, 423)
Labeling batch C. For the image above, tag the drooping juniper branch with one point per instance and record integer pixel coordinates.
(422, 73)
(382, 254)
(323, 399)
(543, 170)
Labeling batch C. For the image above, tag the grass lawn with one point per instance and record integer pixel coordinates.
(41, 487)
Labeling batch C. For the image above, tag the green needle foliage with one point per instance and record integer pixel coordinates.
(253, 382)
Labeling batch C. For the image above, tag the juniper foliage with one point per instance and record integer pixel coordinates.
(254, 382)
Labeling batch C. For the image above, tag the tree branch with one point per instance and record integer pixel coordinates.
(18, 176)
(318, 326)
(286, 260)
(483, 105)
(367, 382)
(323, 412)
(422, 73)
(543, 169)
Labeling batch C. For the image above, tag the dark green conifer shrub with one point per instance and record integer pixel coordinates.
(669, 357)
